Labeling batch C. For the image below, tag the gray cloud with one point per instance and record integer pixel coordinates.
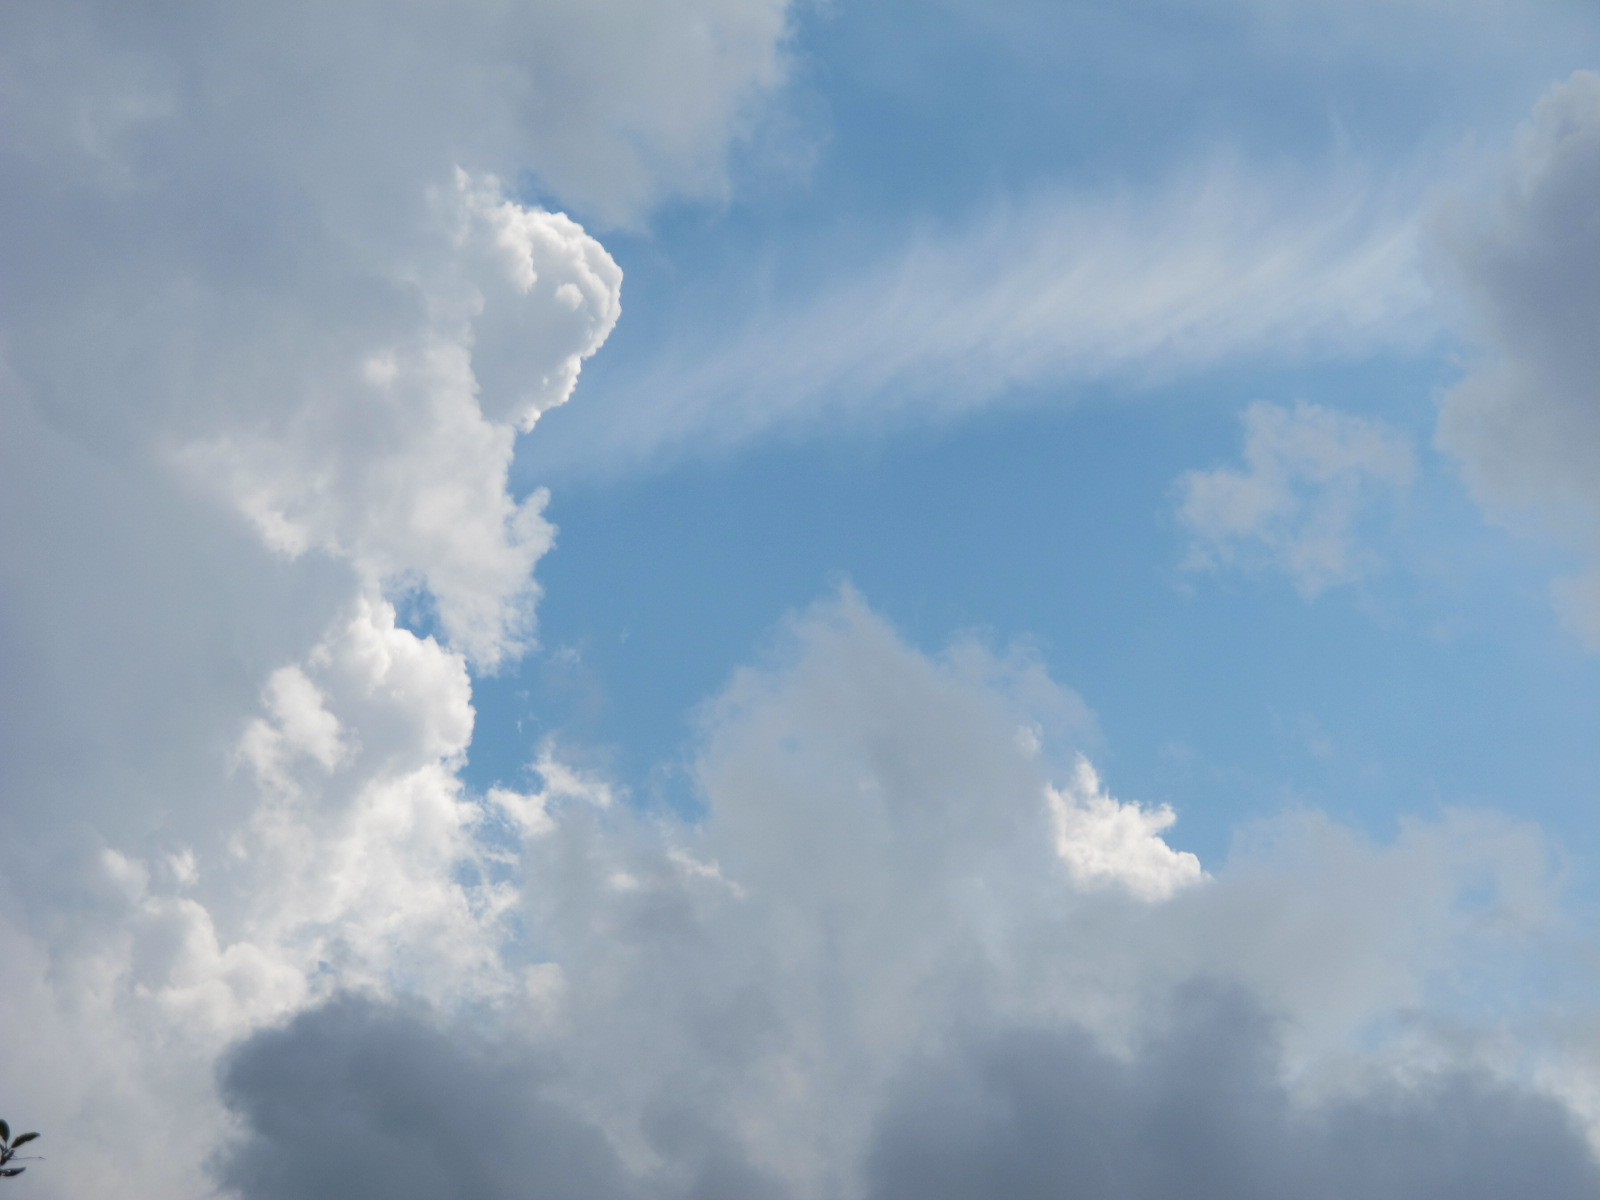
(271, 319)
(871, 970)
(359, 1099)
(1525, 423)
(1198, 1111)
(363, 1099)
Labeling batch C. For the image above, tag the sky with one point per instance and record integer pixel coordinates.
(800, 599)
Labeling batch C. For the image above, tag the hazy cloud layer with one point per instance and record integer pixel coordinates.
(1295, 507)
(612, 104)
(1525, 423)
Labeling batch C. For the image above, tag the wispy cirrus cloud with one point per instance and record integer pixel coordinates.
(1055, 292)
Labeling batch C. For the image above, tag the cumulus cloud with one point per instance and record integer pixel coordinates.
(1525, 422)
(1107, 843)
(1309, 471)
(273, 314)
(871, 967)
(357, 861)
(260, 256)
(1199, 1110)
(274, 311)
(271, 245)
(359, 1100)
(519, 299)
(1061, 289)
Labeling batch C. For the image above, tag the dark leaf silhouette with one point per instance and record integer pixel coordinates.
(8, 1149)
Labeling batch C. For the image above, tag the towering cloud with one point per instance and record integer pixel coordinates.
(272, 317)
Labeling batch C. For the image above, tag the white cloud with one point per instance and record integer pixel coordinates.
(886, 907)
(360, 862)
(1063, 290)
(397, 459)
(238, 244)
(613, 104)
(1525, 422)
(268, 330)
(269, 327)
(1295, 507)
(530, 812)
(899, 880)
(300, 723)
(723, 1007)
(1105, 842)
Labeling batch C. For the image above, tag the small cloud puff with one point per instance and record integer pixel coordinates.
(1296, 504)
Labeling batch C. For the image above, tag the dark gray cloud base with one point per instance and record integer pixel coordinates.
(363, 1099)
(358, 1099)
(1198, 1112)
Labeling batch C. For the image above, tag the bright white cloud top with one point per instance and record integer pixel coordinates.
(280, 290)
(424, 503)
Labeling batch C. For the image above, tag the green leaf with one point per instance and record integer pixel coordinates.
(22, 1139)
(5, 1132)
(10, 1171)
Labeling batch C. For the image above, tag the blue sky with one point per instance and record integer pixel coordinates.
(801, 599)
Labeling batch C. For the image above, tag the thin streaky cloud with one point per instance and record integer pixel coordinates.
(1054, 292)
